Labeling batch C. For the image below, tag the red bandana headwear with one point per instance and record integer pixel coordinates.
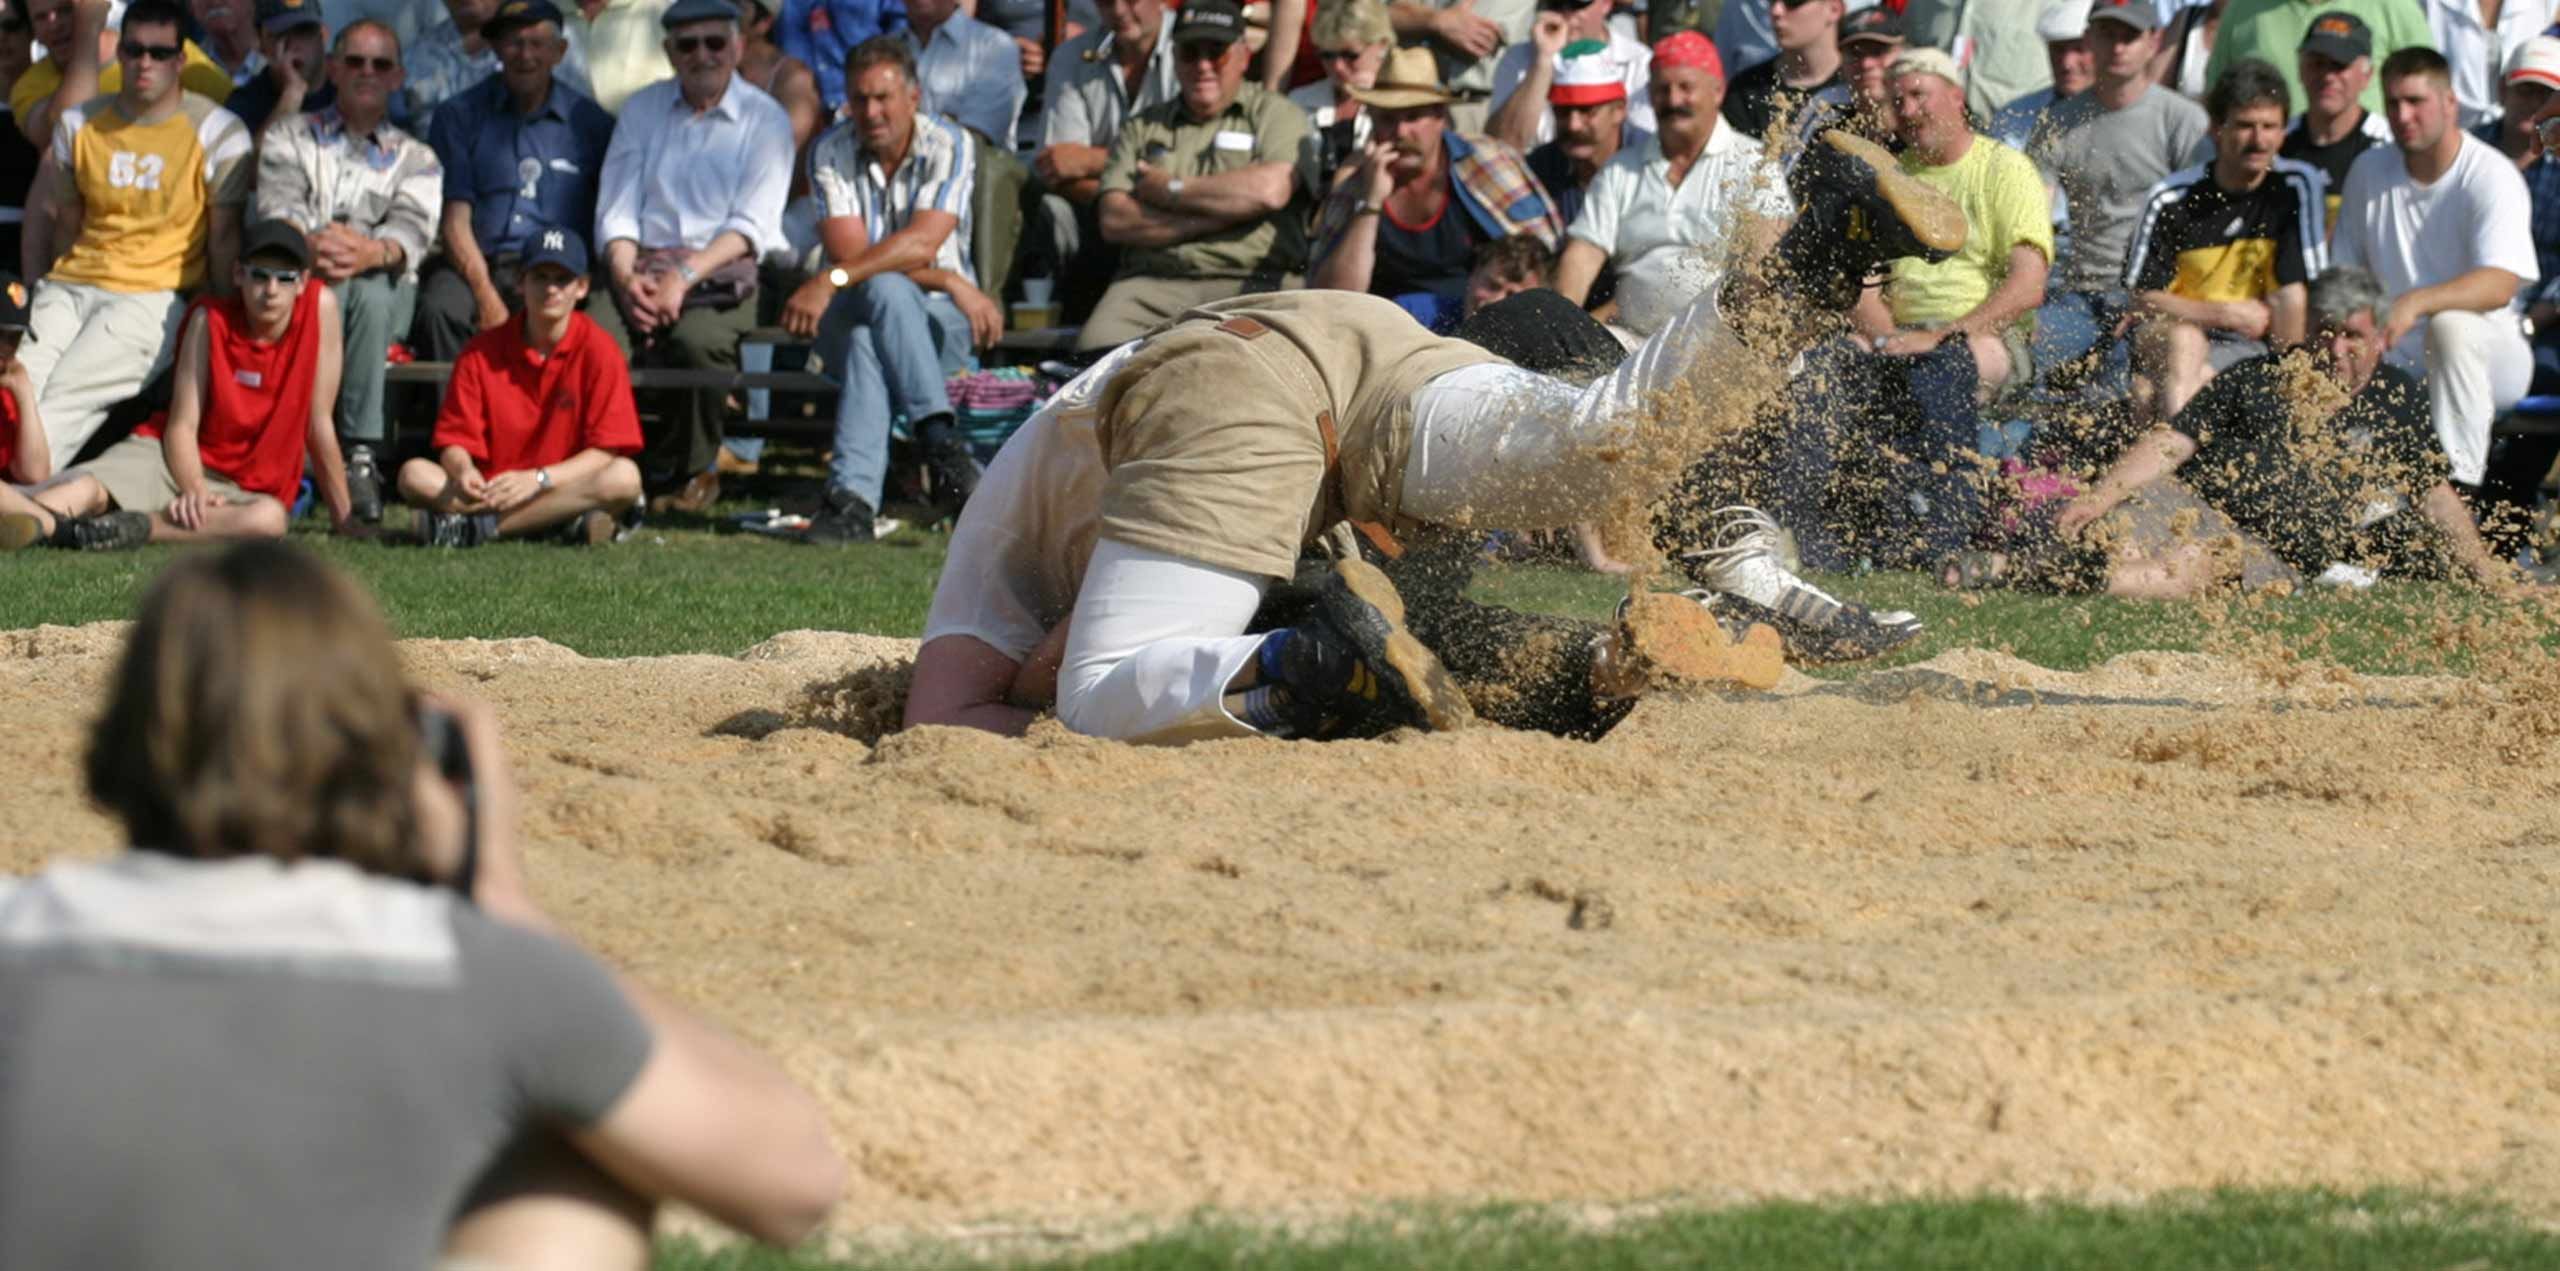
(1688, 48)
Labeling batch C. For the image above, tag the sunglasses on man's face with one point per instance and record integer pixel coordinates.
(272, 275)
(377, 65)
(150, 52)
(685, 45)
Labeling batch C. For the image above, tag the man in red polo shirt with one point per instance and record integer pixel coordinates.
(25, 457)
(253, 397)
(538, 428)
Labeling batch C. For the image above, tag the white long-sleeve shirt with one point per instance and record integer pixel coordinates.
(678, 177)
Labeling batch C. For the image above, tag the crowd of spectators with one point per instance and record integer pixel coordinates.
(2150, 190)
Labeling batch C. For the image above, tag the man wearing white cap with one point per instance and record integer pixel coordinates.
(2517, 464)
(2445, 222)
(1529, 73)
(2065, 31)
(1589, 103)
(1996, 42)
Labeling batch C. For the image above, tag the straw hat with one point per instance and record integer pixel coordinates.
(1410, 78)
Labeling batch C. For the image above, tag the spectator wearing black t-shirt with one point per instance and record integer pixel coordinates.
(2218, 262)
(2335, 62)
(1808, 61)
(2343, 498)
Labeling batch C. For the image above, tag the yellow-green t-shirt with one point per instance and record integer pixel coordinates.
(147, 191)
(200, 75)
(2005, 205)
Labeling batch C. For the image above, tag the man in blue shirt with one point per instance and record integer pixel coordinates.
(821, 32)
(521, 149)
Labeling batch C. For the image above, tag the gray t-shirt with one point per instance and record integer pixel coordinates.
(2106, 162)
(247, 1064)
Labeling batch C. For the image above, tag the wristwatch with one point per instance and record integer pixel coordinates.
(839, 278)
(687, 272)
(1173, 188)
(542, 478)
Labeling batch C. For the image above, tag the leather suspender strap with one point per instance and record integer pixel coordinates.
(1245, 328)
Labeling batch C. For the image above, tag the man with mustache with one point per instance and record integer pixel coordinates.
(1204, 194)
(1406, 220)
(1592, 126)
(2218, 266)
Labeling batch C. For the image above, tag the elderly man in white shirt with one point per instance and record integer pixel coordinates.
(970, 71)
(691, 194)
(368, 195)
(1660, 214)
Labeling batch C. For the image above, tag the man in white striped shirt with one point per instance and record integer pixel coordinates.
(898, 307)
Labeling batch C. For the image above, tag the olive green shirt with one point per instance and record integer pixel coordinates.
(1257, 127)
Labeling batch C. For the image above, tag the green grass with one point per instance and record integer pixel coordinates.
(2231, 1229)
(681, 588)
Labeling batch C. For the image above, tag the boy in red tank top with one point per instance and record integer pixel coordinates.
(25, 457)
(253, 399)
(538, 426)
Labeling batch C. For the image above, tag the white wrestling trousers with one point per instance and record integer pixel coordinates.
(1157, 639)
(2477, 365)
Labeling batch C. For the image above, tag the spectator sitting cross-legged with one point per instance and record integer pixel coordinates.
(899, 308)
(1097, 82)
(2445, 221)
(970, 72)
(1589, 99)
(252, 399)
(1203, 194)
(691, 197)
(2224, 249)
(25, 459)
(151, 180)
(1525, 109)
(71, 32)
(366, 192)
(538, 424)
(1405, 221)
(321, 957)
(1662, 216)
(2106, 148)
(294, 43)
(521, 150)
(2334, 129)
(459, 52)
(1879, 456)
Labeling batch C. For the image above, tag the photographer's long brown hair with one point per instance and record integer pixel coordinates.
(260, 709)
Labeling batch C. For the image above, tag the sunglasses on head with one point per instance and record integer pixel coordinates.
(151, 52)
(271, 274)
(377, 65)
(684, 45)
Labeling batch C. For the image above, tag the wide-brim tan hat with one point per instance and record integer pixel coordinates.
(1410, 78)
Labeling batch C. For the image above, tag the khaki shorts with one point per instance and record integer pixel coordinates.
(135, 472)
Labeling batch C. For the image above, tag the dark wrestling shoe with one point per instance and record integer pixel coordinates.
(364, 485)
(1861, 212)
(118, 531)
(842, 518)
(1352, 666)
(1751, 584)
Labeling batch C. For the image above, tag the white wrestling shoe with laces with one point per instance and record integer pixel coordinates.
(1752, 583)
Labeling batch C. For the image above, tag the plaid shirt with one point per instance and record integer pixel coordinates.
(1494, 185)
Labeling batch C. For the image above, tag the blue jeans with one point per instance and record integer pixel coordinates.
(891, 344)
(1914, 423)
(2072, 324)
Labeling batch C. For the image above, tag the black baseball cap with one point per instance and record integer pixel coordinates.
(13, 302)
(278, 16)
(2339, 37)
(556, 245)
(1875, 22)
(518, 14)
(685, 12)
(1209, 21)
(2141, 15)
(275, 237)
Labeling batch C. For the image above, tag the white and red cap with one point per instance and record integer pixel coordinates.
(2537, 61)
(1586, 75)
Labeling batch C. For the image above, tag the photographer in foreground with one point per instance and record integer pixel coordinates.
(313, 1019)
